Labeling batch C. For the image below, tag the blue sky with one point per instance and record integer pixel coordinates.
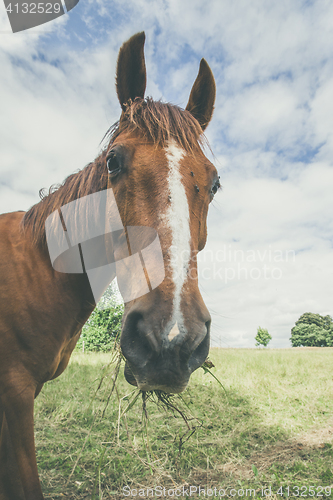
(269, 254)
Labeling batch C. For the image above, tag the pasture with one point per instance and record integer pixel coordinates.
(272, 427)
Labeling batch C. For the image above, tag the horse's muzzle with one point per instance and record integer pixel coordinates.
(155, 363)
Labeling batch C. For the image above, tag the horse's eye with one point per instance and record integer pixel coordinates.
(216, 186)
(113, 164)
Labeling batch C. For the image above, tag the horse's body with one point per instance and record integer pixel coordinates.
(160, 179)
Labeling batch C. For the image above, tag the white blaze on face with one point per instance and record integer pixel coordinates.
(178, 218)
(173, 332)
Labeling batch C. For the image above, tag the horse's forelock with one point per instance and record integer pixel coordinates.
(159, 123)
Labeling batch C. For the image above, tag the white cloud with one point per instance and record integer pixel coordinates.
(263, 113)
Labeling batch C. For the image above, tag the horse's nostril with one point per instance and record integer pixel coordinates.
(129, 375)
(137, 342)
(199, 355)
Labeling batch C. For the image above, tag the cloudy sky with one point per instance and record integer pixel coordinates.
(269, 254)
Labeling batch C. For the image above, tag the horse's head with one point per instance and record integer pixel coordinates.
(162, 180)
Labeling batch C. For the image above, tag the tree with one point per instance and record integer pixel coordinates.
(312, 330)
(262, 337)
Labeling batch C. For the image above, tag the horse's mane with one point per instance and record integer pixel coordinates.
(153, 121)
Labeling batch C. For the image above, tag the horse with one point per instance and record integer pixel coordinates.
(160, 180)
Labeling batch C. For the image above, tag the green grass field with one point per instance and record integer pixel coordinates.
(272, 427)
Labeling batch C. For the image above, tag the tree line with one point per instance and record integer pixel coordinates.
(310, 330)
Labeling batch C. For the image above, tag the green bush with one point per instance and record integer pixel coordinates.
(101, 329)
(104, 325)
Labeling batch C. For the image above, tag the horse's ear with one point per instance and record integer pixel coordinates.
(131, 70)
(202, 97)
